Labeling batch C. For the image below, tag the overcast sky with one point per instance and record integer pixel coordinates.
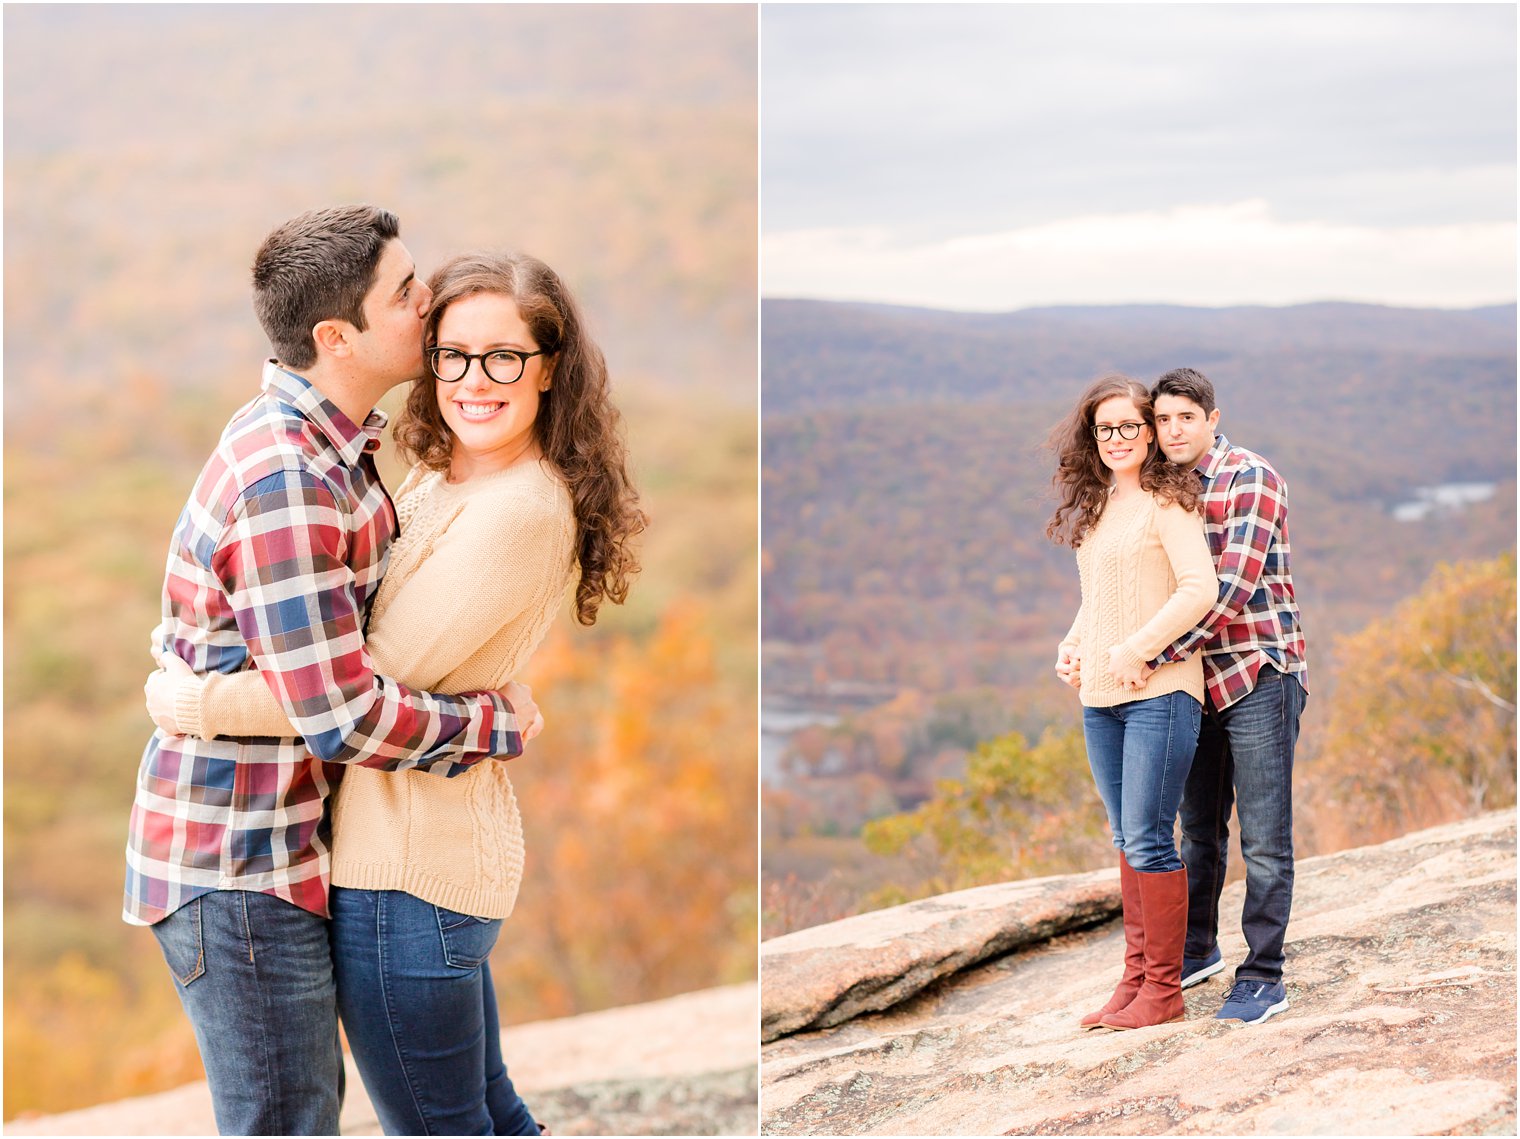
(998, 156)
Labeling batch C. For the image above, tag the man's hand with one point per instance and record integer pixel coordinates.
(159, 691)
(1129, 676)
(1069, 664)
(530, 721)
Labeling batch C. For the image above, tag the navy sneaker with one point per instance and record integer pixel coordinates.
(1253, 1001)
(1197, 969)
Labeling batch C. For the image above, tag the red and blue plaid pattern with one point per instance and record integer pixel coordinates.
(273, 565)
(1255, 622)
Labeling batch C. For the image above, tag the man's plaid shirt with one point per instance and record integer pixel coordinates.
(1255, 621)
(273, 565)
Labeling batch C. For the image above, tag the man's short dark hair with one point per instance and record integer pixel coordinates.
(1189, 383)
(317, 267)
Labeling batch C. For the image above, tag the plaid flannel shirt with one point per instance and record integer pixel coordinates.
(1255, 622)
(274, 563)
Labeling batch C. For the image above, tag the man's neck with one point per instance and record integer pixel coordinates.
(353, 397)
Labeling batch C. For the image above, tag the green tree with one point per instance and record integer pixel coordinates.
(1021, 810)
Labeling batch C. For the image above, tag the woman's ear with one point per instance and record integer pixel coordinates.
(547, 379)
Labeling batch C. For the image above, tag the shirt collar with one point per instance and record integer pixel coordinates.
(1213, 458)
(298, 392)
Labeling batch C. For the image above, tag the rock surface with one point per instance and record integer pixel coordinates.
(823, 976)
(1401, 974)
(681, 1066)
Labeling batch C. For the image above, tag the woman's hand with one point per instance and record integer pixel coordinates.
(1130, 676)
(1069, 664)
(160, 690)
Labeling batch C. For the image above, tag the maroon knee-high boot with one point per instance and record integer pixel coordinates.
(1134, 947)
(1164, 909)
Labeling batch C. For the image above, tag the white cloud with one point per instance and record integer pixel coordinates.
(1226, 254)
(936, 121)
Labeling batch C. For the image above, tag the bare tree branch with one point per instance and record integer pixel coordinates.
(1472, 683)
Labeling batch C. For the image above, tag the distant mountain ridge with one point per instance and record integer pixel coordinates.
(1015, 354)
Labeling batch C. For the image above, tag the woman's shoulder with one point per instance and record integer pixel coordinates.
(529, 491)
(1172, 518)
(1170, 508)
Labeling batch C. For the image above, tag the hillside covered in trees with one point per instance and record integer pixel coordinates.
(149, 149)
(907, 585)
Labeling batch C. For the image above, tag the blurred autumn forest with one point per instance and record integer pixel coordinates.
(148, 149)
(915, 739)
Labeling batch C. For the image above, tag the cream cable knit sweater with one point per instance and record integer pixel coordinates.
(476, 576)
(1147, 578)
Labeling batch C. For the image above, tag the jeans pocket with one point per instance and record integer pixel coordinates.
(467, 940)
(184, 947)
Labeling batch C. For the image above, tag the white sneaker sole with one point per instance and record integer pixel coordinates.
(1203, 974)
(1271, 1010)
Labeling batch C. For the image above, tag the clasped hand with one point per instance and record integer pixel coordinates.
(1131, 676)
(1069, 668)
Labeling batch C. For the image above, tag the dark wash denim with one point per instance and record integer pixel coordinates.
(1139, 753)
(255, 976)
(1245, 757)
(415, 993)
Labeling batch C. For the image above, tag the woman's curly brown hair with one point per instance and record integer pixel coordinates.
(1082, 481)
(577, 425)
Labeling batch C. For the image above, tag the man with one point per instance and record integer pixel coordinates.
(1256, 680)
(274, 563)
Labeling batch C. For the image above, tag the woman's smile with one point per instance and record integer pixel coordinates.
(477, 411)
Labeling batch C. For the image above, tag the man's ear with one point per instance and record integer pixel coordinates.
(1214, 420)
(333, 338)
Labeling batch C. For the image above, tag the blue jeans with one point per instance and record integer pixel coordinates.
(1245, 757)
(1139, 753)
(255, 976)
(415, 994)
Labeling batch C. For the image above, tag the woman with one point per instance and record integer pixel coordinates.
(519, 485)
(1147, 578)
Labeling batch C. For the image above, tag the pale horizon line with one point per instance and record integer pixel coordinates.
(1002, 311)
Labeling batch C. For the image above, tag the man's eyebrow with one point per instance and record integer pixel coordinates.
(405, 281)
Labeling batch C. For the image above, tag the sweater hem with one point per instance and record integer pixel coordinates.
(470, 900)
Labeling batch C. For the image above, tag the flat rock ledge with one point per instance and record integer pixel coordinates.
(823, 976)
(1400, 974)
(681, 1066)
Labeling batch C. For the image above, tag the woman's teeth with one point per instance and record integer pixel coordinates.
(478, 410)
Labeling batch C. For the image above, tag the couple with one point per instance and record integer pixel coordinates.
(1189, 655)
(310, 652)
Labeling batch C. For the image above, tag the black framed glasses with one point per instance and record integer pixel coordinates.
(501, 365)
(1102, 432)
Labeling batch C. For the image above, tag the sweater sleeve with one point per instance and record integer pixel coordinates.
(1073, 635)
(483, 570)
(1182, 538)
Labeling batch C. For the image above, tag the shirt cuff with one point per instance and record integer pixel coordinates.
(494, 732)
